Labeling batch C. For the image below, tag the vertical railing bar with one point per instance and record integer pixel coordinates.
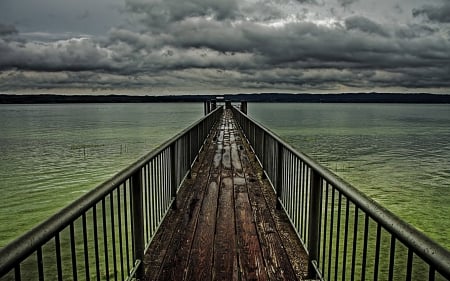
(146, 199)
(73, 252)
(306, 196)
(320, 257)
(314, 221)
(296, 198)
(285, 184)
(366, 238)
(189, 150)
(158, 191)
(132, 223)
(40, 264)
(173, 169)
(126, 206)
(155, 195)
(344, 255)
(298, 201)
(160, 184)
(330, 249)
(355, 239)
(96, 247)
(151, 195)
(279, 181)
(431, 273)
(391, 259)
(338, 237)
(138, 235)
(303, 199)
(86, 246)
(264, 157)
(377, 253)
(290, 174)
(325, 227)
(409, 265)
(168, 177)
(58, 257)
(17, 275)
(113, 234)
(119, 222)
(105, 239)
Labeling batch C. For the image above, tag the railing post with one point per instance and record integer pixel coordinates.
(279, 182)
(138, 222)
(173, 177)
(189, 150)
(244, 107)
(314, 222)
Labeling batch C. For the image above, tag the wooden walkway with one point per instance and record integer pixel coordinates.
(226, 226)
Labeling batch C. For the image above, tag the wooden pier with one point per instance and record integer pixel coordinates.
(225, 225)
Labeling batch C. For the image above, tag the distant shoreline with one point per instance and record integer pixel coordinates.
(263, 97)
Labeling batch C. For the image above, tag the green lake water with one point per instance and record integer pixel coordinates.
(52, 154)
(398, 154)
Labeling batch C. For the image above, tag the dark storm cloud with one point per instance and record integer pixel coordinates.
(258, 44)
(415, 30)
(365, 25)
(307, 1)
(75, 54)
(435, 13)
(7, 29)
(159, 13)
(346, 3)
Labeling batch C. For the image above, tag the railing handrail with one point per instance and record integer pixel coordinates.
(422, 245)
(18, 249)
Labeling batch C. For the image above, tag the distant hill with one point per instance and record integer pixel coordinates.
(263, 97)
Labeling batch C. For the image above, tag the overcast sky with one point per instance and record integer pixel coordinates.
(224, 46)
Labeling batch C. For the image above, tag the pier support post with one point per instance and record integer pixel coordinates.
(173, 177)
(138, 223)
(314, 222)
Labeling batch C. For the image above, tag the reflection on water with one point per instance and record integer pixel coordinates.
(398, 154)
(52, 154)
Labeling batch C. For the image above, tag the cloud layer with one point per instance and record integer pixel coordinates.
(228, 46)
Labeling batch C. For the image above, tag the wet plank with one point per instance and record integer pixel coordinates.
(225, 257)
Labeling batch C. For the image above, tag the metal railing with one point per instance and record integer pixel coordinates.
(104, 234)
(347, 235)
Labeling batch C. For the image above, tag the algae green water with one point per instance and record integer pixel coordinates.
(398, 154)
(52, 154)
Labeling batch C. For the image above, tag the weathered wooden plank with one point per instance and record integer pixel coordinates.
(249, 249)
(275, 256)
(225, 256)
(201, 255)
(273, 226)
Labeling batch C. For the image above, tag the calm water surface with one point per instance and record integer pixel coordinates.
(398, 154)
(52, 154)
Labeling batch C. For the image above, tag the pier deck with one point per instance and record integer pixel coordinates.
(226, 226)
